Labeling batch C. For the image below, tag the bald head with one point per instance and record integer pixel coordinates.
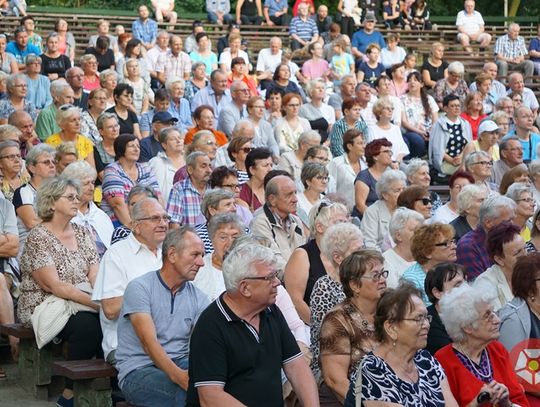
(24, 122)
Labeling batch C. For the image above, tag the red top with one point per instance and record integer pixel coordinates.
(465, 386)
(247, 195)
(475, 123)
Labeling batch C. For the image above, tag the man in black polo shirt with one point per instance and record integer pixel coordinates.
(242, 341)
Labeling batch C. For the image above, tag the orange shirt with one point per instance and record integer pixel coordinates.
(248, 81)
(221, 138)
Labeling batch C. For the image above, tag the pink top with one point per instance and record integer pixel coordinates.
(398, 90)
(89, 86)
(315, 70)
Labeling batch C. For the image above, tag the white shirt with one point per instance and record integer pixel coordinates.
(268, 62)
(340, 169)
(393, 135)
(164, 170)
(123, 262)
(99, 220)
(471, 23)
(396, 266)
(443, 214)
(209, 279)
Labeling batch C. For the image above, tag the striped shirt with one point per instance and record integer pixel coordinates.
(305, 29)
(184, 206)
(338, 130)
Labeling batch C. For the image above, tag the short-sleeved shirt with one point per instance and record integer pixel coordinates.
(83, 144)
(471, 23)
(370, 74)
(246, 362)
(126, 125)
(174, 316)
(305, 29)
(209, 60)
(184, 205)
(509, 48)
(21, 54)
(435, 72)
(275, 6)
(360, 40)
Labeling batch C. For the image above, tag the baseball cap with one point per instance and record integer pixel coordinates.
(488, 125)
(164, 117)
(370, 16)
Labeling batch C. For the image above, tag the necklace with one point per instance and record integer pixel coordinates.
(484, 377)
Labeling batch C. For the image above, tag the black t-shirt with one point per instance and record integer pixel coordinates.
(225, 350)
(435, 73)
(55, 65)
(104, 60)
(126, 126)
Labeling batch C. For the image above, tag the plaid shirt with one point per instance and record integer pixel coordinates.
(508, 48)
(184, 206)
(145, 31)
(472, 253)
(179, 65)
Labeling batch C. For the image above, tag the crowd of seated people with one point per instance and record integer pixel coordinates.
(184, 197)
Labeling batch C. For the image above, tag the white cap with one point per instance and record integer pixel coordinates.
(487, 125)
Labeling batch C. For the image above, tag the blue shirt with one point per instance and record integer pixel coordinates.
(529, 146)
(145, 31)
(361, 40)
(416, 275)
(20, 55)
(207, 96)
(38, 91)
(275, 5)
(182, 113)
(306, 30)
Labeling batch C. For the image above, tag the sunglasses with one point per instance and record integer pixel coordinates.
(425, 201)
(246, 149)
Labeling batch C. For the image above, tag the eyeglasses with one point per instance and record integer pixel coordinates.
(420, 319)
(246, 149)
(71, 198)
(157, 219)
(490, 163)
(528, 200)
(11, 157)
(425, 201)
(268, 278)
(377, 276)
(47, 162)
(322, 178)
(489, 316)
(385, 152)
(231, 186)
(447, 243)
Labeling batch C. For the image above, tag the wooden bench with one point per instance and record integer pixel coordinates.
(91, 381)
(34, 363)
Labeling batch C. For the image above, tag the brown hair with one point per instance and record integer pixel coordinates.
(425, 238)
(526, 271)
(510, 176)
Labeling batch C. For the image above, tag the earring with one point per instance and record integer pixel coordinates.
(532, 298)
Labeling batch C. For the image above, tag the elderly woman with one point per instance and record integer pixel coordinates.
(109, 130)
(54, 64)
(377, 217)
(399, 258)
(168, 161)
(383, 110)
(434, 68)
(347, 331)
(68, 118)
(89, 215)
(449, 211)
(488, 137)
(120, 176)
(264, 133)
(97, 103)
(226, 178)
(234, 51)
(379, 159)
(399, 371)
(123, 109)
(320, 115)
(521, 194)
(8, 63)
(197, 82)
(108, 79)
(60, 259)
(179, 106)
(258, 164)
(504, 246)
(16, 98)
(502, 119)
(89, 65)
(453, 84)
(473, 111)
(291, 126)
(351, 119)
(479, 165)
(306, 265)
(223, 228)
(338, 242)
(237, 150)
(439, 281)
(11, 166)
(205, 120)
(293, 161)
(314, 177)
(475, 362)
(417, 172)
(430, 245)
(37, 84)
(468, 206)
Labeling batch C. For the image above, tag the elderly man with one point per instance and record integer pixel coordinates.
(347, 90)
(160, 48)
(322, 19)
(46, 124)
(144, 28)
(471, 248)
(497, 89)
(470, 25)
(74, 76)
(303, 30)
(275, 12)
(368, 35)
(276, 221)
(479, 165)
(150, 145)
(268, 60)
(511, 152)
(249, 338)
(231, 113)
(215, 94)
(126, 260)
(173, 62)
(159, 313)
(184, 204)
(20, 48)
(524, 122)
(510, 52)
(23, 121)
(517, 85)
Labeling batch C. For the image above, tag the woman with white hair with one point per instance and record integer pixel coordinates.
(338, 242)
(108, 79)
(376, 217)
(37, 84)
(97, 103)
(89, 215)
(417, 172)
(401, 228)
(68, 118)
(478, 367)
(89, 65)
(521, 194)
(179, 106)
(469, 200)
(320, 115)
(453, 84)
(306, 265)
(16, 98)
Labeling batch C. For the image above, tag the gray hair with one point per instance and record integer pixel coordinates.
(414, 166)
(506, 141)
(239, 127)
(534, 167)
(9, 132)
(58, 87)
(65, 112)
(311, 170)
(49, 192)
(456, 67)
(498, 115)
(473, 157)
(195, 65)
(175, 238)
(172, 80)
(324, 214)
(164, 134)
(191, 159)
(80, 170)
(240, 263)
(224, 219)
(492, 206)
(311, 84)
(100, 122)
(515, 190)
(7, 144)
(337, 239)
(140, 189)
(459, 307)
(500, 101)
(31, 58)
(106, 74)
(86, 58)
(12, 80)
(212, 198)
(400, 218)
(139, 209)
(309, 135)
(37, 151)
(465, 196)
(3, 76)
(388, 178)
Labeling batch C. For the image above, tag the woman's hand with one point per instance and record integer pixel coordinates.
(499, 394)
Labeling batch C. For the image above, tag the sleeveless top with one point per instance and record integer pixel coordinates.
(316, 267)
(368, 179)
